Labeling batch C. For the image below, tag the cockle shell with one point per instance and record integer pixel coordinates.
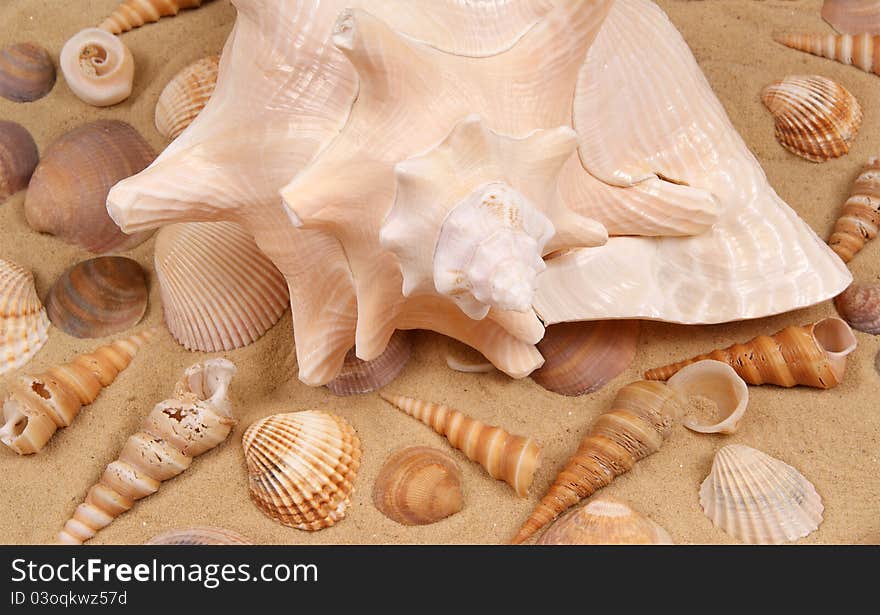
(721, 386)
(301, 467)
(98, 297)
(860, 220)
(810, 355)
(816, 118)
(357, 377)
(640, 419)
(199, 536)
(860, 50)
(37, 406)
(67, 194)
(98, 67)
(194, 421)
(18, 158)
(758, 499)
(24, 325)
(185, 96)
(859, 305)
(219, 291)
(418, 485)
(26, 72)
(132, 14)
(505, 456)
(605, 521)
(853, 16)
(581, 357)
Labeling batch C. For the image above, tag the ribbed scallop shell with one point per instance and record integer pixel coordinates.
(816, 118)
(199, 536)
(859, 305)
(26, 72)
(759, 499)
(605, 521)
(185, 96)
(219, 291)
(18, 158)
(24, 325)
(357, 377)
(301, 467)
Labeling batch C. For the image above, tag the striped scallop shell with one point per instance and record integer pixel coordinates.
(605, 521)
(199, 536)
(185, 96)
(219, 291)
(759, 499)
(24, 325)
(301, 467)
(816, 118)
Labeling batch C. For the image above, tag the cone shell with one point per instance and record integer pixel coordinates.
(24, 326)
(861, 50)
(133, 14)
(67, 194)
(357, 377)
(581, 357)
(605, 521)
(98, 67)
(853, 16)
(418, 486)
(758, 499)
(859, 305)
(721, 386)
(816, 118)
(185, 96)
(26, 72)
(301, 467)
(199, 536)
(18, 158)
(810, 355)
(860, 219)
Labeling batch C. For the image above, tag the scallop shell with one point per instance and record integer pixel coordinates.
(718, 383)
(853, 16)
(67, 194)
(185, 96)
(359, 376)
(26, 72)
(816, 118)
(605, 521)
(301, 467)
(219, 291)
(18, 158)
(24, 326)
(418, 485)
(858, 50)
(199, 536)
(759, 499)
(133, 14)
(98, 67)
(859, 305)
(860, 219)
(581, 357)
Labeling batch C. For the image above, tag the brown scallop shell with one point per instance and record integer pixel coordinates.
(418, 485)
(98, 297)
(185, 96)
(67, 195)
(18, 158)
(859, 305)
(26, 72)
(357, 377)
(199, 536)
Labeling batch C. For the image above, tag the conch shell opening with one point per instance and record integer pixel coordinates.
(836, 338)
(718, 383)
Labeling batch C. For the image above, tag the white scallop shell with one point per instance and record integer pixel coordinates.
(24, 324)
(185, 96)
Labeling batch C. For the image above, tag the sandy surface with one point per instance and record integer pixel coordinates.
(833, 437)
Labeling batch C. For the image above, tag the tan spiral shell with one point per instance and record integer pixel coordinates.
(859, 305)
(26, 72)
(177, 430)
(860, 219)
(133, 14)
(24, 325)
(357, 377)
(816, 118)
(199, 536)
(18, 158)
(605, 521)
(640, 419)
(98, 67)
(860, 50)
(185, 96)
(301, 467)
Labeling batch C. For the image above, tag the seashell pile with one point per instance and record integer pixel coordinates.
(67, 194)
(24, 325)
(301, 467)
(98, 297)
(605, 521)
(357, 377)
(858, 50)
(18, 158)
(132, 14)
(26, 72)
(177, 430)
(98, 67)
(859, 305)
(816, 118)
(199, 536)
(717, 384)
(852, 16)
(860, 220)
(185, 96)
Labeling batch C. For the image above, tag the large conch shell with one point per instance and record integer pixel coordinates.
(98, 67)
(661, 169)
(24, 323)
(811, 355)
(605, 521)
(853, 16)
(640, 419)
(177, 430)
(858, 50)
(505, 456)
(39, 405)
(132, 14)
(860, 219)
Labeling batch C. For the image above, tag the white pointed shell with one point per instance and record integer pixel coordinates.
(98, 67)
(24, 324)
(721, 386)
(185, 96)
(853, 16)
(605, 521)
(301, 467)
(759, 499)
(219, 291)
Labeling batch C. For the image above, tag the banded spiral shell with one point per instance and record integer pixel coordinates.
(605, 521)
(24, 325)
(816, 118)
(859, 305)
(132, 14)
(199, 536)
(18, 158)
(357, 377)
(26, 72)
(860, 219)
(860, 50)
(98, 67)
(301, 467)
(185, 96)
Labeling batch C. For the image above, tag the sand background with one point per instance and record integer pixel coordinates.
(833, 437)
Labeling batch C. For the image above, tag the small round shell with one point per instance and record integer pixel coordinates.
(185, 96)
(859, 305)
(18, 158)
(418, 485)
(199, 536)
(719, 385)
(24, 326)
(357, 377)
(26, 72)
(98, 67)
(605, 521)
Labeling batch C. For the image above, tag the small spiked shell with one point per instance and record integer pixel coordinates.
(24, 325)
(132, 14)
(185, 96)
(816, 118)
(860, 220)
(18, 158)
(301, 467)
(859, 305)
(357, 376)
(860, 50)
(199, 536)
(759, 499)
(720, 386)
(26, 72)
(605, 521)
(98, 67)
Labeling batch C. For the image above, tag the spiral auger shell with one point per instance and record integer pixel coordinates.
(133, 14)
(860, 50)
(860, 220)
